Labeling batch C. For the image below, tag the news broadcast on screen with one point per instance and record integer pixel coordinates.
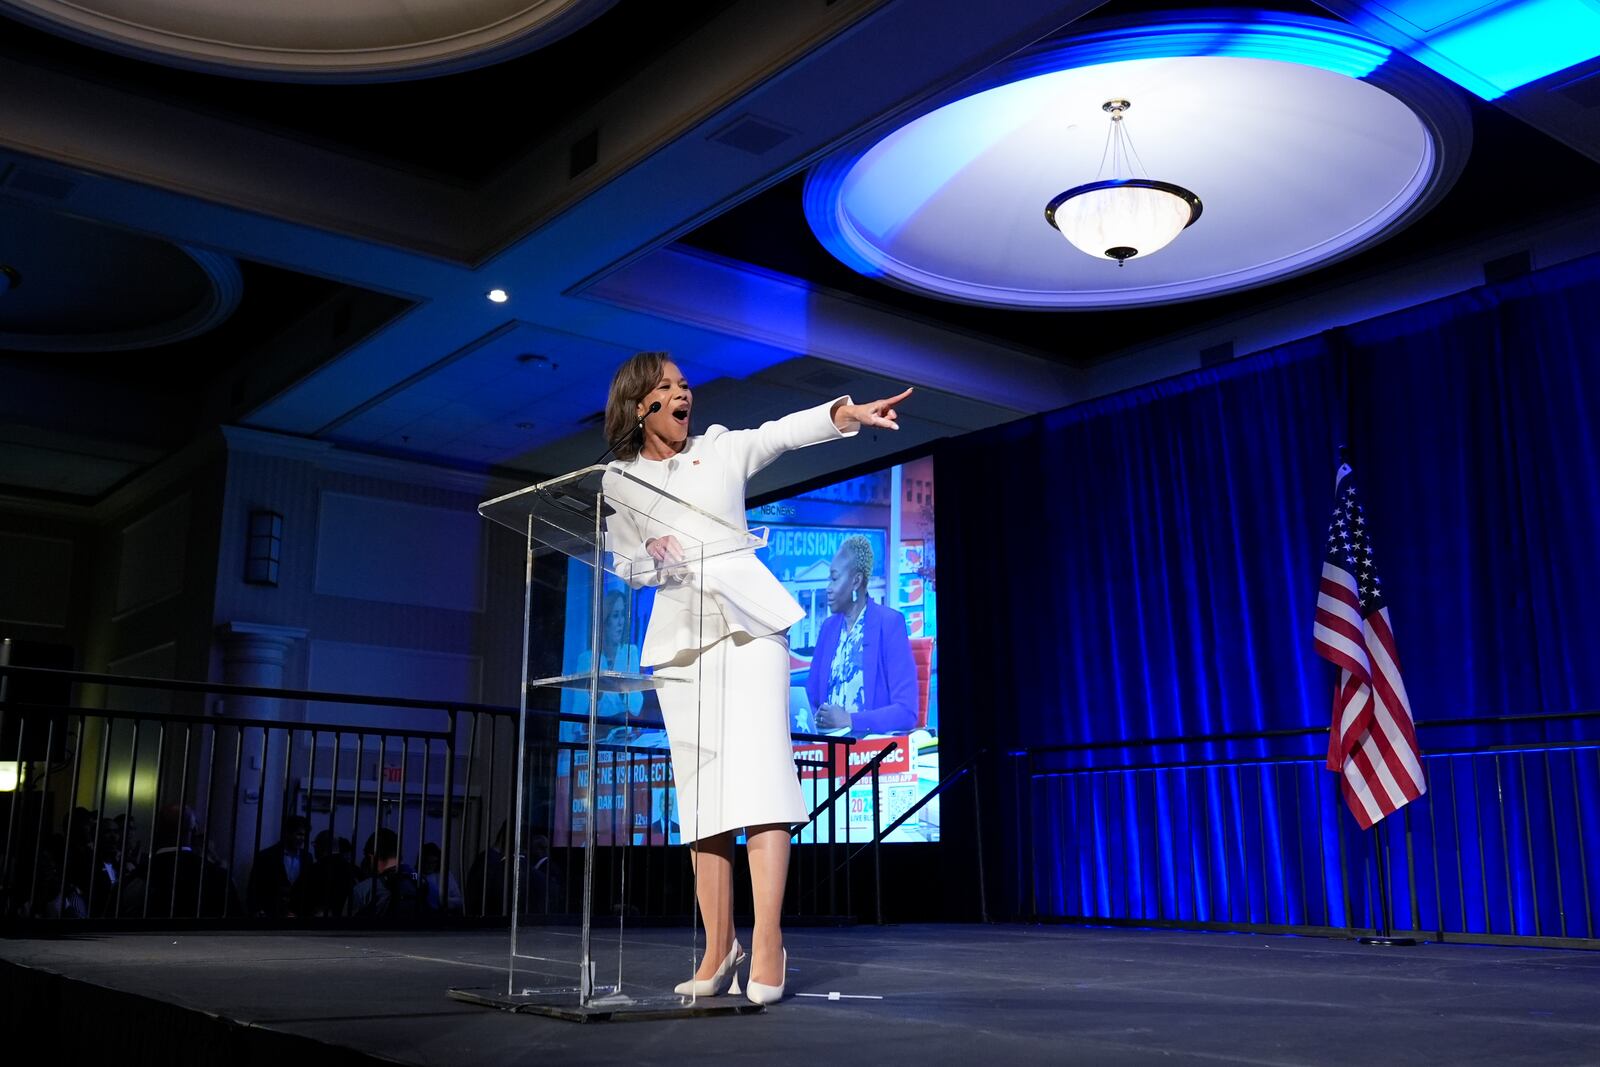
(880, 525)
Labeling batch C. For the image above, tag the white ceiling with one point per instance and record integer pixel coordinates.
(1295, 166)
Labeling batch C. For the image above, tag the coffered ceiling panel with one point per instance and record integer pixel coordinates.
(311, 40)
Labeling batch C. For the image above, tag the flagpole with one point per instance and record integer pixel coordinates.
(1383, 934)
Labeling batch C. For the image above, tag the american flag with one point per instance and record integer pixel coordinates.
(1372, 744)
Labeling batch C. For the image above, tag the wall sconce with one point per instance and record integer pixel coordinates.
(264, 548)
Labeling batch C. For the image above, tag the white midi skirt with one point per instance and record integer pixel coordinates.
(728, 725)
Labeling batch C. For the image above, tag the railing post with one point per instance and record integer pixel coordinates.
(6, 882)
(445, 852)
(877, 846)
(1029, 769)
(833, 829)
(977, 825)
(466, 791)
(32, 898)
(72, 810)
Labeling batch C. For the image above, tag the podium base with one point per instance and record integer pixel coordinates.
(563, 1004)
(1392, 942)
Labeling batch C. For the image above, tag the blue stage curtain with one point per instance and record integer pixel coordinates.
(1145, 566)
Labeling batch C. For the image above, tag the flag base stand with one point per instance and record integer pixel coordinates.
(1392, 942)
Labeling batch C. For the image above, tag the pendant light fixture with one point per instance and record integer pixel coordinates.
(1127, 214)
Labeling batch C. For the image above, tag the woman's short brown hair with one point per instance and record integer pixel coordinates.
(631, 384)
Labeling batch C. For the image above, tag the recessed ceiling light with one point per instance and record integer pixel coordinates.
(498, 296)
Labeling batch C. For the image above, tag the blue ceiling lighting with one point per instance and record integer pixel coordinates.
(1309, 42)
(1501, 47)
(1304, 139)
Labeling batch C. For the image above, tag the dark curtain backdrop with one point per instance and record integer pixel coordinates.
(1145, 566)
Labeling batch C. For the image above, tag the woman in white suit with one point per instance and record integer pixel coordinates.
(728, 722)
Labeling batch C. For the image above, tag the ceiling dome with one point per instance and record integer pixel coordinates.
(78, 286)
(314, 40)
(1305, 141)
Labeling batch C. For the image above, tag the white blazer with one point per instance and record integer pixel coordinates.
(729, 594)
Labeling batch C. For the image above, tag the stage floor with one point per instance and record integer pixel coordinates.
(950, 994)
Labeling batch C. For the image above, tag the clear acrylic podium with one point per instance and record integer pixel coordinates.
(602, 785)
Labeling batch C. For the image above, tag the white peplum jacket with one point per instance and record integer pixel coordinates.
(698, 605)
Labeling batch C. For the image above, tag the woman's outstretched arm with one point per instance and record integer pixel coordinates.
(753, 450)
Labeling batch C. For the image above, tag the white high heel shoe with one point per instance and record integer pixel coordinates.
(758, 993)
(726, 980)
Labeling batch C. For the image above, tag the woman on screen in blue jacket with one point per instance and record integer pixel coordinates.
(863, 678)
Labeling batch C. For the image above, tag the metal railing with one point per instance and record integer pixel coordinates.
(132, 815)
(110, 806)
(1191, 832)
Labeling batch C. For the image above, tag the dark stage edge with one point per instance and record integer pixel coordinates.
(950, 994)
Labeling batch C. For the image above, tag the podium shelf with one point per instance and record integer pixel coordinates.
(610, 682)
